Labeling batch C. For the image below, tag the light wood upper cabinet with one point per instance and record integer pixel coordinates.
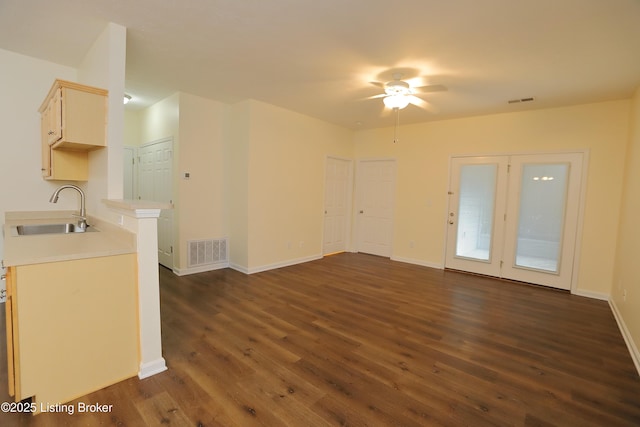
(73, 122)
(75, 116)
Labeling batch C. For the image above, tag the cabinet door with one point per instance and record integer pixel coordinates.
(83, 120)
(78, 326)
(46, 148)
(53, 115)
(9, 312)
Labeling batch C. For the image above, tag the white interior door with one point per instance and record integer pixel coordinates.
(376, 200)
(336, 205)
(515, 216)
(155, 182)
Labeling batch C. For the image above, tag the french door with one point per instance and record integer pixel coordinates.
(515, 217)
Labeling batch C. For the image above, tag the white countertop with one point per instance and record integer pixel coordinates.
(35, 249)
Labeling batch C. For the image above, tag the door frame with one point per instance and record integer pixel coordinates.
(348, 200)
(581, 202)
(134, 166)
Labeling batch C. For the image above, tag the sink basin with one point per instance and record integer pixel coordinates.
(33, 229)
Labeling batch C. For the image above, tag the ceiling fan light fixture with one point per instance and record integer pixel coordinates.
(396, 101)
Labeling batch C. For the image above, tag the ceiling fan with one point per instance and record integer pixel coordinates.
(399, 93)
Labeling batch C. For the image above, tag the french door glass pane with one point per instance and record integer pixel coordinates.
(543, 196)
(475, 211)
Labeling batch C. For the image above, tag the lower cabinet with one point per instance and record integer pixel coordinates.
(72, 327)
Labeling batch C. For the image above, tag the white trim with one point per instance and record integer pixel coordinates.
(274, 266)
(590, 294)
(628, 339)
(151, 368)
(439, 266)
(201, 269)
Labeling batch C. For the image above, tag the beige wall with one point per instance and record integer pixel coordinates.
(423, 154)
(627, 271)
(287, 154)
(237, 135)
(256, 176)
(200, 206)
(103, 66)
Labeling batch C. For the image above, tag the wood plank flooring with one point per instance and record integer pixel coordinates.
(359, 340)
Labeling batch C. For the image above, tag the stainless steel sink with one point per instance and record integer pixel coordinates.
(33, 229)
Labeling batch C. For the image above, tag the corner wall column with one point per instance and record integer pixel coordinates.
(141, 218)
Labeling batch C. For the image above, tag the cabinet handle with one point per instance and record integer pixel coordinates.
(51, 132)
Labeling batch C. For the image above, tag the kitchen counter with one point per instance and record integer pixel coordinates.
(108, 240)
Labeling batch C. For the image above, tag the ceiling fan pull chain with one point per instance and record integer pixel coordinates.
(395, 130)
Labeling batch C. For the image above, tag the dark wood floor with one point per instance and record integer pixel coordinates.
(360, 340)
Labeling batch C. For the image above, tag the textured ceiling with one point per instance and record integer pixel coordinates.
(320, 57)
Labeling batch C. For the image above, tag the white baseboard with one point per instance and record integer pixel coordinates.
(590, 294)
(200, 269)
(418, 262)
(149, 369)
(633, 349)
(267, 267)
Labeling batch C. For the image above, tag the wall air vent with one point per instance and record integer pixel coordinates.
(520, 100)
(206, 252)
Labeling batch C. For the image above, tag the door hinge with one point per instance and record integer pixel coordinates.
(508, 168)
(505, 217)
(501, 263)
(171, 247)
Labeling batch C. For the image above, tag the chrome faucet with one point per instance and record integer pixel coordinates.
(82, 221)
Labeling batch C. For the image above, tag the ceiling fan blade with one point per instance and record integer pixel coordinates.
(377, 84)
(382, 95)
(430, 88)
(419, 102)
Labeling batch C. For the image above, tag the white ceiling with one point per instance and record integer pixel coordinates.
(318, 57)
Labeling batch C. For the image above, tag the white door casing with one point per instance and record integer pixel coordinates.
(338, 184)
(129, 172)
(375, 189)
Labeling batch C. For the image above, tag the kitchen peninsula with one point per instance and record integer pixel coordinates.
(72, 308)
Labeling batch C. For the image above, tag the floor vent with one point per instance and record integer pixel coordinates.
(205, 252)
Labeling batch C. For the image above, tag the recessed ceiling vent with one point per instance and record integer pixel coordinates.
(520, 100)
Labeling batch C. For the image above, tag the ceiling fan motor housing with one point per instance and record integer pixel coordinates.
(397, 87)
